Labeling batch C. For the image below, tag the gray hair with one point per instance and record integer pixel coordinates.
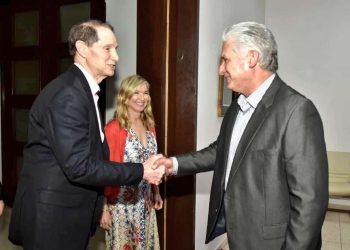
(255, 36)
(86, 32)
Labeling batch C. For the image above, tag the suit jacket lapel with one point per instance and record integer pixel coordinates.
(255, 122)
(85, 86)
(232, 115)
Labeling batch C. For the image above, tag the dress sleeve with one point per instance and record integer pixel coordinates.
(113, 138)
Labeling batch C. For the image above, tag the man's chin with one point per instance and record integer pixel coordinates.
(230, 86)
(110, 73)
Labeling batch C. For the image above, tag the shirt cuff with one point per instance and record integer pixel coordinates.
(175, 165)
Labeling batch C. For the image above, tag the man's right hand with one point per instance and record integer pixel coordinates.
(167, 163)
(153, 174)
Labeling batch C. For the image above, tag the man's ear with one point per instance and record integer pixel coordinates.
(82, 48)
(253, 58)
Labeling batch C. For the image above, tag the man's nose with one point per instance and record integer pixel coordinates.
(115, 55)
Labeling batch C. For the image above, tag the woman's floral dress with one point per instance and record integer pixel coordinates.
(134, 223)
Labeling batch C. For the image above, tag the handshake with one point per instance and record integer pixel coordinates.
(156, 167)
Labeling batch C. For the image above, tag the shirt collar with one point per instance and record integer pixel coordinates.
(258, 94)
(92, 83)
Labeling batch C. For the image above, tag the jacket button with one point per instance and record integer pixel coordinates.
(216, 210)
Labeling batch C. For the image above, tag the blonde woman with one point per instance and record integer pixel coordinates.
(129, 216)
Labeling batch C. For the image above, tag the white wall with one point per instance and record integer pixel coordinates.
(214, 17)
(122, 15)
(313, 38)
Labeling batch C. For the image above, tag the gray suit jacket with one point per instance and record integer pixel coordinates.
(277, 192)
(59, 197)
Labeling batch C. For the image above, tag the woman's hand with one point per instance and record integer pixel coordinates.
(2, 206)
(106, 219)
(158, 201)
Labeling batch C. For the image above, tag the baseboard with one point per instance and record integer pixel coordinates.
(339, 203)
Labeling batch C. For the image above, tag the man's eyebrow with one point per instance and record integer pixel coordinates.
(111, 45)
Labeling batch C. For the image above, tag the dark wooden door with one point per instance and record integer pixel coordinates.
(33, 51)
(167, 56)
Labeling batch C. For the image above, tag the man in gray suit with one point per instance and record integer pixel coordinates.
(270, 183)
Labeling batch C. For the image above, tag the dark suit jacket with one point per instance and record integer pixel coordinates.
(60, 189)
(277, 192)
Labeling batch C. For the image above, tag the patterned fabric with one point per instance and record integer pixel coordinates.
(134, 223)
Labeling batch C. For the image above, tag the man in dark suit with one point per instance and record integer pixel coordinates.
(270, 183)
(60, 190)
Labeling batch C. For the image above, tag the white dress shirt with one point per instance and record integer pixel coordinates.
(95, 89)
(247, 108)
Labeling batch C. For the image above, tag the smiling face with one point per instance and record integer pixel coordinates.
(235, 68)
(139, 99)
(101, 57)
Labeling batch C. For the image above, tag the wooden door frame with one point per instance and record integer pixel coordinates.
(167, 56)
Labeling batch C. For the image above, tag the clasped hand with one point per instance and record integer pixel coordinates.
(150, 173)
(156, 167)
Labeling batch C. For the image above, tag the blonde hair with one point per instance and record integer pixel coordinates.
(127, 89)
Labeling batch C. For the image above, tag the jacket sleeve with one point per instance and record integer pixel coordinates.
(195, 162)
(112, 133)
(72, 135)
(307, 175)
(112, 137)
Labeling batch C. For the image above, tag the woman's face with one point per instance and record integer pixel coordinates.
(139, 99)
